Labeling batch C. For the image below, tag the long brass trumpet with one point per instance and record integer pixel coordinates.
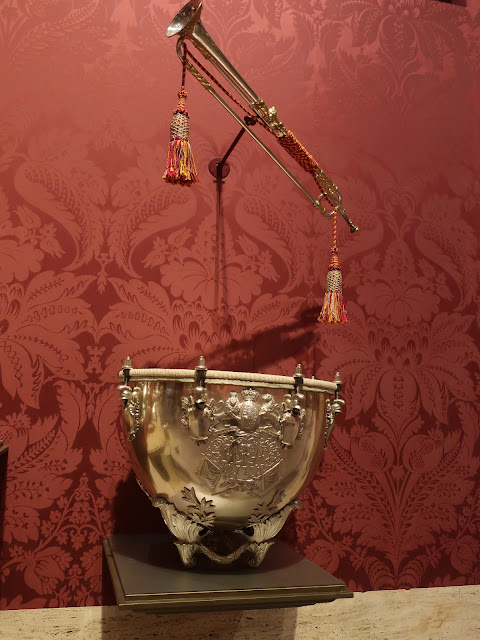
(187, 25)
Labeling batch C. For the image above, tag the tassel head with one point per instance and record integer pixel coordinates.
(180, 163)
(333, 310)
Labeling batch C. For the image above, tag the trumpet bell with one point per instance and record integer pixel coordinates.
(185, 20)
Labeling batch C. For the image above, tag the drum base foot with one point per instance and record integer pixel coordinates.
(196, 536)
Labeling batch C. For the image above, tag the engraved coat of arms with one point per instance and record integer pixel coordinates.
(244, 437)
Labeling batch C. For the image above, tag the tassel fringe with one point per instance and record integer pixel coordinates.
(333, 310)
(180, 163)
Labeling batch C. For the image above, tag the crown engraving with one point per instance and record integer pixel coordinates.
(249, 395)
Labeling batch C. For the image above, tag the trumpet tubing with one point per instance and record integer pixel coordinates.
(188, 26)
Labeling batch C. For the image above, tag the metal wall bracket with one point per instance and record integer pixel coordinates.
(219, 167)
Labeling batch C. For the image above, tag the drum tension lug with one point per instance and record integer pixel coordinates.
(126, 370)
(338, 381)
(298, 378)
(201, 372)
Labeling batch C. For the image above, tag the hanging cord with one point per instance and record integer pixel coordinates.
(334, 249)
(182, 94)
(184, 64)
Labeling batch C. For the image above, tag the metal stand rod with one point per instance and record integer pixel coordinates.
(217, 165)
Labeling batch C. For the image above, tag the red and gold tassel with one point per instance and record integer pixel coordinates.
(180, 163)
(333, 309)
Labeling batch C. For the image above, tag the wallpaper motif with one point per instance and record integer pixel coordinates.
(101, 259)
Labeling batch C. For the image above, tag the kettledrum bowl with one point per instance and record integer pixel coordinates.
(225, 454)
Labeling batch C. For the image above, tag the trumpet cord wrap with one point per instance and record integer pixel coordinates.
(299, 153)
(289, 141)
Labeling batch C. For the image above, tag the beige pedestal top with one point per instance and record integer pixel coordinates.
(449, 613)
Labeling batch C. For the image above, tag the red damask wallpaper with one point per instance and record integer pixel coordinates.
(100, 259)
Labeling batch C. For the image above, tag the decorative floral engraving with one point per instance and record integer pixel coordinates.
(200, 511)
(269, 524)
(264, 510)
(192, 529)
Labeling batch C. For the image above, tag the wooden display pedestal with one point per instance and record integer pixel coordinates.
(147, 574)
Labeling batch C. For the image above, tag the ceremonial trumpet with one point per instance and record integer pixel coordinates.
(188, 26)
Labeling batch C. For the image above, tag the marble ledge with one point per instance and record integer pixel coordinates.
(423, 614)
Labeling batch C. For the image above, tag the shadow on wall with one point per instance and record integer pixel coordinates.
(132, 513)
(224, 625)
(266, 347)
(132, 510)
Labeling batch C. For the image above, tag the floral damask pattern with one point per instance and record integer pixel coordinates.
(100, 259)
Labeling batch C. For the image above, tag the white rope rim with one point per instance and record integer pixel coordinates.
(229, 377)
